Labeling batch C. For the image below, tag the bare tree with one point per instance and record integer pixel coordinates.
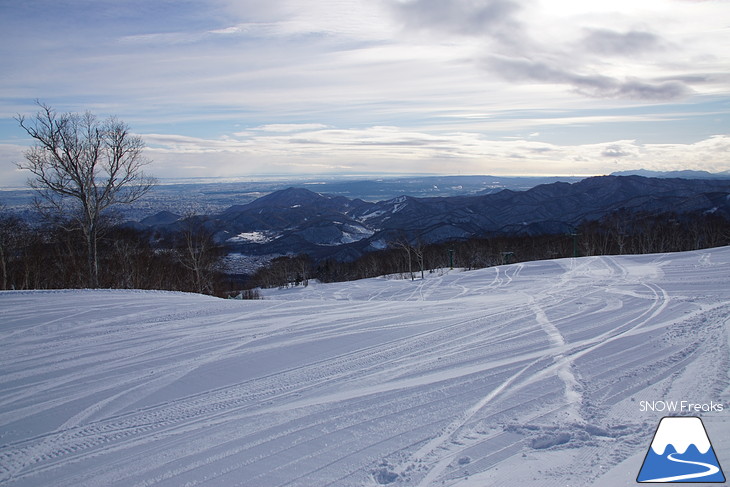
(198, 253)
(13, 235)
(419, 249)
(404, 244)
(81, 165)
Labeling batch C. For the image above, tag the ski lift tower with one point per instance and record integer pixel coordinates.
(575, 236)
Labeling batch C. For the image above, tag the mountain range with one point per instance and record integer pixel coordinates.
(296, 220)
(686, 174)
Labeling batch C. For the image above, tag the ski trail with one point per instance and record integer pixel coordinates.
(563, 356)
(564, 364)
(448, 432)
(576, 350)
(711, 470)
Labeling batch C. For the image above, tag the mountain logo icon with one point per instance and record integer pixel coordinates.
(681, 452)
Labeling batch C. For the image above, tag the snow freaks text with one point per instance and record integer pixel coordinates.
(681, 407)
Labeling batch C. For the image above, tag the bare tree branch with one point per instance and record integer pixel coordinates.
(79, 162)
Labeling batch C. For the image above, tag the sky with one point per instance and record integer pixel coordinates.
(252, 88)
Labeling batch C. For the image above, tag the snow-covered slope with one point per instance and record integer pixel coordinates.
(530, 374)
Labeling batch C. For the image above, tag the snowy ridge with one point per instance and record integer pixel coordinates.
(528, 374)
(680, 432)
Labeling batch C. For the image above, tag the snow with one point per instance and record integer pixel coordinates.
(349, 234)
(529, 374)
(254, 237)
(398, 207)
(373, 214)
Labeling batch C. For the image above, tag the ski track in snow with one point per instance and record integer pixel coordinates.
(520, 374)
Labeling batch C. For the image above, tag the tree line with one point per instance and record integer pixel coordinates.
(622, 232)
(54, 255)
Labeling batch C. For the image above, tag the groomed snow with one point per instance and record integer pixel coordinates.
(533, 374)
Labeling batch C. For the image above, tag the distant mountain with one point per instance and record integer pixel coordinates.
(548, 208)
(161, 218)
(295, 220)
(687, 174)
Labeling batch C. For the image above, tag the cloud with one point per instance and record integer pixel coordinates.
(612, 43)
(10, 175)
(636, 89)
(390, 149)
(592, 85)
(172, 143)
(615, 150)
(461, 17)
(516, 51)
(324, 19)
(289, 127)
